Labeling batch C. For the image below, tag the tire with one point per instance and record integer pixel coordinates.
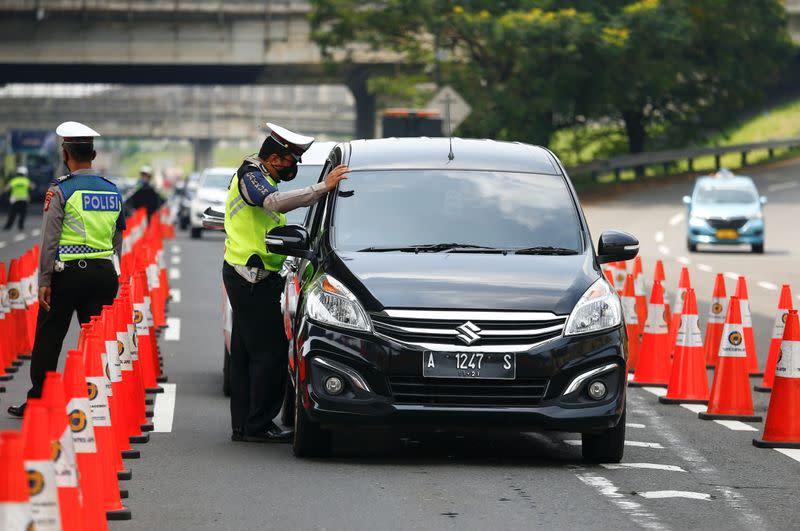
(197, 233)
(758, 248)
(692, 247)
(310, 440)
(605, 447)
(183, 223)
(287, 409)
(226, 373)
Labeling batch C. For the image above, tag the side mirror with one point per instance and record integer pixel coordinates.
(616, 246)
(687, 200)
(763, 199)
(213, 220)
(290, 240)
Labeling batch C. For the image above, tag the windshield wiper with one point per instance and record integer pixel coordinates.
(546, 249)
(433, 248)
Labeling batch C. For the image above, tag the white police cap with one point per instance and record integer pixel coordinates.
(146, 169)
(22, 170)
(295, 143)
(76, 132)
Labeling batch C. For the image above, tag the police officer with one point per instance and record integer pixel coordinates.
(251, 276)
(81, 232)
(19, 188)
(143, 194)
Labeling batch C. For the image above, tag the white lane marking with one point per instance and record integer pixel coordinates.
(637, 444)
(767, 285)
(705, 267)
(173, 331)
(794, 453)
(175, 294)
(698, 465)
(695, 408)
(684, 260)
(636, 512)
(36, 232)
(635, 425)
(660, 494)
(175, 260)
(176, 248)
(663, 249)
(732, 276)
(659, 236)
(3, 244)
(677, 218)
(736, 425)
(781, 186)
(19, 237)
(164, 409)
(658, 391)
(174, 273)
(646, 466)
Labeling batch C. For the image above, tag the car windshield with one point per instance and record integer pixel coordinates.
(219, 181)
(471, 211)
(307, 174)
(721, 196)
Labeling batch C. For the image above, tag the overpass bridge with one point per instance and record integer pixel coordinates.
(211, 42)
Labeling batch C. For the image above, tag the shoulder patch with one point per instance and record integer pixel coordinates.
(63, 178)
(47, 198)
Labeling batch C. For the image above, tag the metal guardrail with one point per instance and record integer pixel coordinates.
(639, 161)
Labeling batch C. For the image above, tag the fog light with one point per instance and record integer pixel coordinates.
(334, 385)
(597, 390)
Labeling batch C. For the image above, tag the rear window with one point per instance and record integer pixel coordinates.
(492, 209)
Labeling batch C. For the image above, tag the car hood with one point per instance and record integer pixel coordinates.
(729, 210)
(467, 281)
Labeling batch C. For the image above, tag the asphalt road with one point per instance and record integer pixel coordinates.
(678, 472)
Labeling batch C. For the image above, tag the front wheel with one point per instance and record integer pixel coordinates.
(197, 232)
(692, 247)
(606, 446)
(758, 248)
(310, 440)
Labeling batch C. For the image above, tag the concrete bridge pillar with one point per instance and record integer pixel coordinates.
(203, 150)
(365, 103)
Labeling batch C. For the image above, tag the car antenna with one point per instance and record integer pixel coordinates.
(447, 102)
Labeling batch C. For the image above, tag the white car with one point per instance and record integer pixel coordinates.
(212, 189)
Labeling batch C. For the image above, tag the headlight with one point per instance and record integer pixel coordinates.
(599, 308)
(695, 221)
(757, 215)
(329, 302)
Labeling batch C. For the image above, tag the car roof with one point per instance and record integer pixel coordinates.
(219, 169)
(432, 153)
(318, 153)
(737, 182)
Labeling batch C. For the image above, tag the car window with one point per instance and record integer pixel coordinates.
(307, 174)
(493, 209)
(720, 196)
(311, 211)
(217, 181)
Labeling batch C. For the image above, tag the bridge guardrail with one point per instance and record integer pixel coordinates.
(639, 161)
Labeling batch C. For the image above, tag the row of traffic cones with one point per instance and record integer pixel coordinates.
(19, 306)
(63, 470)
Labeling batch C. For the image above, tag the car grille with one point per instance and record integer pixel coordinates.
(732, 223)
(468, 331)
(466, 392)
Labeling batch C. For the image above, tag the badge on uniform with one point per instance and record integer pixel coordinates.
(48, 196)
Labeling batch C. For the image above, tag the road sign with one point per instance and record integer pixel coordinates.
(452, 106)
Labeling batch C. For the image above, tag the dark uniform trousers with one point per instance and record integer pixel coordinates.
(19, 208)
(75, 289)
(259, 350)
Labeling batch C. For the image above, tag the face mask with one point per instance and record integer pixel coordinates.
(288, 173)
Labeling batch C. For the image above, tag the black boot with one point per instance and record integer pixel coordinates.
(17, 411)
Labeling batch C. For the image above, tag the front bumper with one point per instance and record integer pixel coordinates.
(387, 367)
(751, 233)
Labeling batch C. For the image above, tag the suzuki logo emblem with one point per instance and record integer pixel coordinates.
(469, 333)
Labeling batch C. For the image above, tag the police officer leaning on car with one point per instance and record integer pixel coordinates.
(254, 285)
(81, 232)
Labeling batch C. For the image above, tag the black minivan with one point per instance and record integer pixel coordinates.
(452, 284)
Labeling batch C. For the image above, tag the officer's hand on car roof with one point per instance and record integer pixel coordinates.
(339, 173)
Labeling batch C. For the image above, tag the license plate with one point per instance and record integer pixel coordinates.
(488, 365)
(727, 234)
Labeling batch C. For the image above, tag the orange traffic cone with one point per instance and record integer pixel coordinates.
(639, 290)
(609, 274)
(782, 428)
(87, 455)
(131, 377)
(653, 365)
(15, 509)
(716, 321)
(22, 345)
(784, 305)
(677, 310)
(38, 453)
(631, 323)
(620, 271)
(747, 323)
(730, 392)
(147, 358)
(658, 276)
(6, 333)
(63, 453)
(688, 381)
